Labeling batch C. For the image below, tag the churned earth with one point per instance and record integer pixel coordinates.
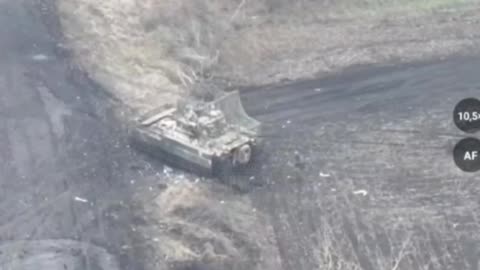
(376, 186)
(357, 173)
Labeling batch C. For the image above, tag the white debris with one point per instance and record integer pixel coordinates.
(40, 57)
(362, 192)
(150, 188)
(289, 122)
(167, 170)
(323, 175)
(132, 181)
(156, 239)
(222, 202)
(79, 199)
(318, 89)
(197, 180)
(283, 126)
(251, 178)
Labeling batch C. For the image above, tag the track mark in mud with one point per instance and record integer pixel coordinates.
(392, 89)
(56, 110)
(388, 134)
(20, 151)
(55, 254)
(57, 142)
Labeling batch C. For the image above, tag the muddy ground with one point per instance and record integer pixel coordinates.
(376, 187)
(64, 171)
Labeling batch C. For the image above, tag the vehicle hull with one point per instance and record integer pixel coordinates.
(172, 152)
(204, 139)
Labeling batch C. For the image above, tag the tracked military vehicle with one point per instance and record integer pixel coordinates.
(212, 138)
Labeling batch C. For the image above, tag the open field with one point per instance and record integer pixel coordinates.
(376, 187)
(152, 52)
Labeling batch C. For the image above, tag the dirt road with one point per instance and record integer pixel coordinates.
(374, 186)
(64, 171)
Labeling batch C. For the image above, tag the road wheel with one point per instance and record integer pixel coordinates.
(242, 155)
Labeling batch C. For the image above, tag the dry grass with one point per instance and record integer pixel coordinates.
(146, 52)
(192, 224)
(150, 52)
(312, 40)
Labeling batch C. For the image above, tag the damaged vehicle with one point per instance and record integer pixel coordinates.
(213, 138)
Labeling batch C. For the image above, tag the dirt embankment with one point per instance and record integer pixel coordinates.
(200, 225)
(150, 52)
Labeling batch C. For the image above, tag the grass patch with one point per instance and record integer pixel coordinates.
(150, 52)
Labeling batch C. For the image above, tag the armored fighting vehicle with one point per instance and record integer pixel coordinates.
(211, 138)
